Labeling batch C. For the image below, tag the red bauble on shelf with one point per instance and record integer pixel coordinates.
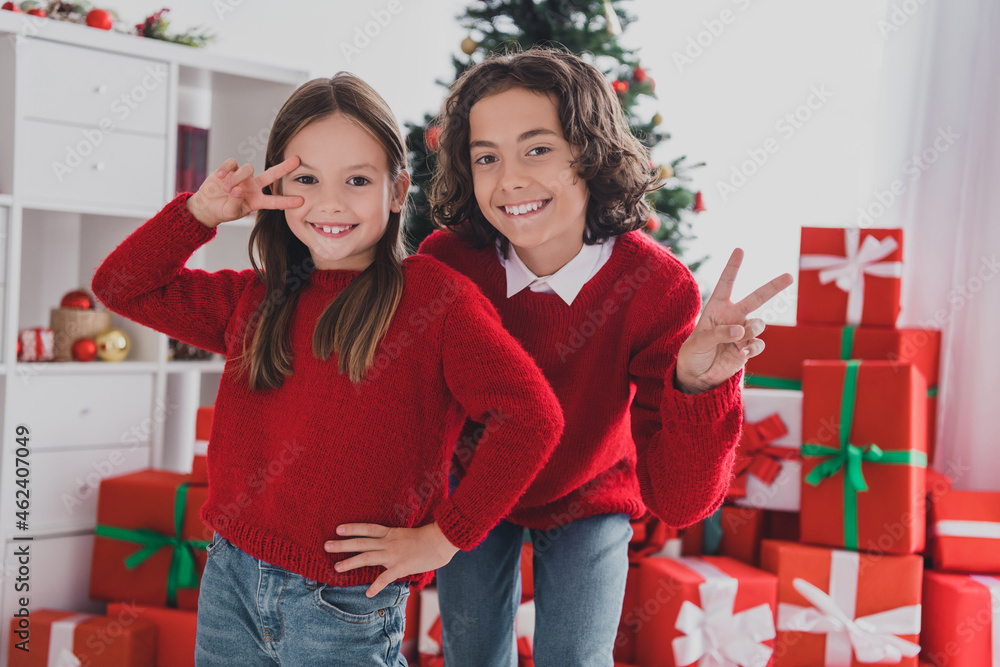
(78, 299)
(84, 349)
(37, 12)
(98, 18)
(11, 7)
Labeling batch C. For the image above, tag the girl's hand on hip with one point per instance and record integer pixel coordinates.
(724, 338)
(401, 551)
(232, 192)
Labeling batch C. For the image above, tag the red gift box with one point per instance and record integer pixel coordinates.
(864, 456)
(844, 608)
(631, 618)
(175, 627)
(202, 433)
(961, 627)
(411, 631)
(779, 366)
(54, 637)
(150, 542)
(701, 606)
(768, 470)
(36, 344)
(742, 530)
(965, 530)
(849, 276)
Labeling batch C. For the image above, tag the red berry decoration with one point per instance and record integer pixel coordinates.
(431, 137)
(84, 349)
(77, 299)
(621, 87)
(699, 204)
(11, 7)
(37, 12)
(639, 74)
(653, 224)
(98, 18)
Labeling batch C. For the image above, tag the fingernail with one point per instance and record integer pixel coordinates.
(340, 530)
(746, 352)
(227, 187)
(220, 173)
(337, 567)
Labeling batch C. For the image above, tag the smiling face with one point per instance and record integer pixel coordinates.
(343, 176)
(523, 179)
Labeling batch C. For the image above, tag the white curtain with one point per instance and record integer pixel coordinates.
(940, 143)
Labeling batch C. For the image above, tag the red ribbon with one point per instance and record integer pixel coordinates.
(649, 535)
(525, 655)
(757, 456)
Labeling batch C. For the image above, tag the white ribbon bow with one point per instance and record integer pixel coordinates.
(848, 272)
(715, 636)
(61, 641)
(872, 637)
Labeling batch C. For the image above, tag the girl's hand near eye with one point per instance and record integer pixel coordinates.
(233, 192)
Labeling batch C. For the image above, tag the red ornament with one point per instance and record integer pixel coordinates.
(11, 7)
(84, 349)
(431, 137)
(699, 204)
(78, 299)
(639, 74)
(653, 224)
(37, 12)
(98, 18)
(652, 84)
(621, 87)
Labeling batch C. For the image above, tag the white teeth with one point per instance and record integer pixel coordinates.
(334, 230)
(523, 208)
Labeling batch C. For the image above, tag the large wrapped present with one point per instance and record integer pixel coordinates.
(411, 631)
(202, 432)
(150, 542)
(779, 366)
(844, 608)
(850, 276)
(961, 624)
(965, 531)
(864, 453)
(652, 537)
(632, 617)
(768, 469)
(742, 530)
(175, 627)
(702, 611)
(49, 637)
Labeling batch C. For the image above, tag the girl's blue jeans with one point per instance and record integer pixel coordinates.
(580, 570)
(253, 613)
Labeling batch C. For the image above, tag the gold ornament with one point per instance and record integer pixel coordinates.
(112, 345)
(666, 171)
(469, 46)
(614, 25)
(657, 119)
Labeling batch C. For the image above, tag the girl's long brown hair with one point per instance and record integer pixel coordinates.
(610, 159)
(353, 324)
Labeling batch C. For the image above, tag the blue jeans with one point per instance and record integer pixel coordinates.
(254, 613)
(580, 570)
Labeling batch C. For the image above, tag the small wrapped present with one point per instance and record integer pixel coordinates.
(965, 531)
(844, 608)
(36, 344)
(768, 470)
(705, 609)
(68, 639)
(176, 627)
(850, 276)
(150, 542)
(202, 433)
(864, 456)
(961, 620)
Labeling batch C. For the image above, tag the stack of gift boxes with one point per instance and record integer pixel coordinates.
(818, 555)
(149, 552)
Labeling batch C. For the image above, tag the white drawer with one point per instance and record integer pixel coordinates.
(68, 164)
(64, 484)
(84, 410)
(79, 85)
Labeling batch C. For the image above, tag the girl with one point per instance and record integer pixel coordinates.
(544, 183)
(349, 372)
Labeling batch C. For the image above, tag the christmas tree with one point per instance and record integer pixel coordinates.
(590, 29)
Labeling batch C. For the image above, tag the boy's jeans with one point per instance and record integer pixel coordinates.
(254, 613)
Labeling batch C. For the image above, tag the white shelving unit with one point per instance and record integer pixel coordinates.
(88, 134)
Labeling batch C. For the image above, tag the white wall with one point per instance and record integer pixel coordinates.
(765, 62)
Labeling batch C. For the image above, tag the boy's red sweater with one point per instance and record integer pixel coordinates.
(288, 465)
(632, 440)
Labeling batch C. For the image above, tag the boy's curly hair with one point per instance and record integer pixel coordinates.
(614, 164)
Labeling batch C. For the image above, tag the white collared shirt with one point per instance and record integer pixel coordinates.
(567, 281)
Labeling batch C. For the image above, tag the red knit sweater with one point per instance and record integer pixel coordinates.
(288, 465)
(632, 440)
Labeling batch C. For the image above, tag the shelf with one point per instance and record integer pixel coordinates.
(33, 368)
(203, 365)
(6, 200)
(106, 211)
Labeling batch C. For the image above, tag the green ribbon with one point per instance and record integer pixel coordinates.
(850, 457)
(772, 382)
(182, 573)
(932, 391)
(712, 533)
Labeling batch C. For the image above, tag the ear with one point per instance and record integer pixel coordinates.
(400, 188)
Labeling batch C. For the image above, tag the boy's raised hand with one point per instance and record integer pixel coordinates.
(232, 192)
(724, 338)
